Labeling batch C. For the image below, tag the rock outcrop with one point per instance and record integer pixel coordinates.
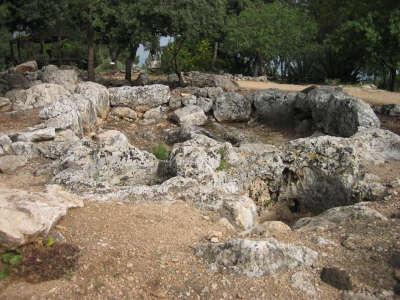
(26, 215)
(67, 78)
(191, 115)
(232, 107)
(256, 258)
(148, 96)
(36, 96)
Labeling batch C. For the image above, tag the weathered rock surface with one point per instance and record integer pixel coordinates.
(26, 215)
(256, 258)
(74, 112)
(98, 95)
(325, 108)
(56, 148)
(10, 163)
(66, 78)
(37, 96)
(199, 79)
(205, 104)
(5, 104)
(111, 161)
(339, 215)
(149, 96)
(29, 66)
(274, 106)
(37, 135)
(232, 107)
(123, 113)
(189, 116)
(239, 210)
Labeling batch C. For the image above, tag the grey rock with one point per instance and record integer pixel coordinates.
(10, 163)
(26, 149)
(256, 258)
(189, 116)
(156, 113)
(274, 106)
(175, 102)
(98, 95)
(36, 96)
(338, 215)
(111, 161)
(66, 78)
(57, 148)
(149, 96)
(205, 104)
(232, 107)
(37, 135)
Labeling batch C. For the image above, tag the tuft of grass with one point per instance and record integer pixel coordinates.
(161, 151)
(9, 260)
(223, 164)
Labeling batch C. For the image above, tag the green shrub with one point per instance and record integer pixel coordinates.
(161, 151)
(223, 164)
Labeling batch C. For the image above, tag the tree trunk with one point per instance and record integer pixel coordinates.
(59, 54)
(129, 62)
(215, 56)
(19, 50)
(392, 79)
(12, 54)
(90, 41)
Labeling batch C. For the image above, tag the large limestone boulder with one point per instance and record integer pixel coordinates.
(37, 96)
(198, 79)
(37, 135)
(239, 210)
(74, 112)
(337, 216)
(26, 215)
(110, 161)
(256, 258)
(274, 106)
(191, 115)
(336, 113)
(200, 156)
(232, 107)
(148, 96)
(205, 104)
(66, 78)
(98, 95)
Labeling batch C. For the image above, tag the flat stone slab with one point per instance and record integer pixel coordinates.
(26, 215)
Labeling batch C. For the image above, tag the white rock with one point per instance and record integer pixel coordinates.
(98, 95)
(26, 215)
(240, 210)
(191, 115)
(149, 96)
(37, 96)
(257, 258)
(38, 135)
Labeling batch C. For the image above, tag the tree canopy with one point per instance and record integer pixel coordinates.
(294, 41)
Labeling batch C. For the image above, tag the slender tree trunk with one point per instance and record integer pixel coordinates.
(12, 54)
(19, 50)
(90, 41)
(215, 55)
(59, 54)
(129, 62)
(392, 79)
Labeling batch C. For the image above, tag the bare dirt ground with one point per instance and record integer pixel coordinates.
(374, 97)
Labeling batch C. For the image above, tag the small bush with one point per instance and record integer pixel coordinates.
(223, 165)
(161, 151)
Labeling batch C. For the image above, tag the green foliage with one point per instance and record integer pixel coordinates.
(10, 260)
(161, 151)
(223, 164)
(197, 57)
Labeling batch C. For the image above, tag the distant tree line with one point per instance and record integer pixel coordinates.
(292, 41)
